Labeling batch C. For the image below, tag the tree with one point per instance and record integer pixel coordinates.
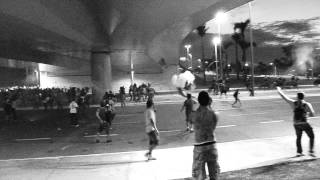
(202, 32)
(225, 47)
(236, 37)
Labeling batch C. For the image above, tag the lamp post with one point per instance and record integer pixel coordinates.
(216, 41)
(188, 46)
(251, 48)
(220, 18)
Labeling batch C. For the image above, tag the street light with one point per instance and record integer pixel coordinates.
(275, 68)
(216, 41)
(188, 56)
(220, 17)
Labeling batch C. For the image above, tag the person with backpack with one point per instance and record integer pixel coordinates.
(301, 111)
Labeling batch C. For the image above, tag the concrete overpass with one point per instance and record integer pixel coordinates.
(97, 39)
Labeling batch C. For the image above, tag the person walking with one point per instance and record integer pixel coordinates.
(236, 97)
(104, 116)
(301, 111)
(188, 107)
(73, 109)
(205, 150)
(151, 129)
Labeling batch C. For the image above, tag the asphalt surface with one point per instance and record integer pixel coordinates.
(35, 134)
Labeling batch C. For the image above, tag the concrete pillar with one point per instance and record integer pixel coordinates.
(101, 73)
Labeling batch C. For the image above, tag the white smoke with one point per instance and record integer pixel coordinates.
(179, 80)
(303, 55)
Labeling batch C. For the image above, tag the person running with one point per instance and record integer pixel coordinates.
(236, 97)
(301, 111)
(188, 107)
(205, 150)
(104, 116)
(151, 129)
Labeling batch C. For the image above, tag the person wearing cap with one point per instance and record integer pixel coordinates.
(205, 151)
(301, 111)
(104, 115)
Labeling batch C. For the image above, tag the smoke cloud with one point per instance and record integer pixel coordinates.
(179, 80)
(303, 55)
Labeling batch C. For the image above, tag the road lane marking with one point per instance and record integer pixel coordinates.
(247, 114)
(65, 147)
(267, 122)
(127, 123)
(126, 115)
(89, 136)
(34, 139)
(226, 126)
(176, 130)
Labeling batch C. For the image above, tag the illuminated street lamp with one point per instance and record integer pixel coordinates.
(216, 41)
(275, 68)
(220, 18)
(188, 55)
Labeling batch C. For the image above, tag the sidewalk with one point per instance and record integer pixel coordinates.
(172, 163)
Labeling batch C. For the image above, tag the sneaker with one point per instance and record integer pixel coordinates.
(147, 155)
(312, 154)
(151, 158)
(299, 155)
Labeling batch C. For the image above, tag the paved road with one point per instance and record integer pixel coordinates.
(263, 116)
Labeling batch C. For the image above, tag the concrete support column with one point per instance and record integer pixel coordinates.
(101, 73)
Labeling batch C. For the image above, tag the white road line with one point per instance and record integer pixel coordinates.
(267, 122)
(226, 126)
(177, 130)
(125, 115)
(34, 139)
(126, 123)
(247, 114)
(65, 147)
(89, 136)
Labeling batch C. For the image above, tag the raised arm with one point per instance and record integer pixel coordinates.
(285, 97)
(310, 110)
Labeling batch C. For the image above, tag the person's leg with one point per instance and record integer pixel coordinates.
(100, 129)
(198, 165)
(308, 129)
(108, 125)
(298, 140)
(213, 165)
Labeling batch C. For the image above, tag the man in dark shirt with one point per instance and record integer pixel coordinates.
(205, 151)
(188, 107)
(301, 109)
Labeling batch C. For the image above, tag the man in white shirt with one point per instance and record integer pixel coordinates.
(73, 113)
(151, 129)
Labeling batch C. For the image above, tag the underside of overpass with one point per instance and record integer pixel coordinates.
(100, 38)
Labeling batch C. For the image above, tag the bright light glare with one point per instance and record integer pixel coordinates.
(187, 46)
(216, 40)
(183, 58)
(246, 64)
(221, 17)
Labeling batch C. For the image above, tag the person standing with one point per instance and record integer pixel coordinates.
(151, 129)
(188, 107)
(104, 116)
(301, 111)
(73, 109)
(236, 97)
(205, 150)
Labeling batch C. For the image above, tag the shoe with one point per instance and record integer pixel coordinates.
(147, 155)
(151, 158)
(312, 154)
(299, 155)
(59, 129)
